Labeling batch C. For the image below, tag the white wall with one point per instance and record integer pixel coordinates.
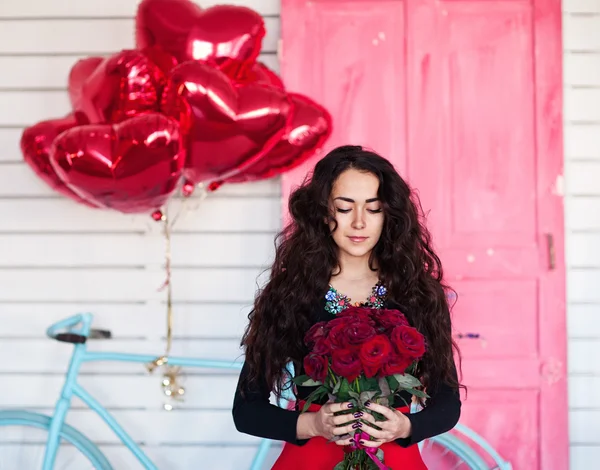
(58, 258)
(582, 170)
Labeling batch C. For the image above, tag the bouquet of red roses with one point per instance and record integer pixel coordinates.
(362, 355)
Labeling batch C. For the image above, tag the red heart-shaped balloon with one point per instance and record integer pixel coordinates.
(132, 166)
(308, 130)
(119, 87)
(226, 36)
(79, 73)
(225, 124)
(260, 73)
(36, 143)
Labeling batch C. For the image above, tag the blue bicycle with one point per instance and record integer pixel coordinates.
(450, 450)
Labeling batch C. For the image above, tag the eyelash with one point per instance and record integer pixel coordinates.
(372, 211)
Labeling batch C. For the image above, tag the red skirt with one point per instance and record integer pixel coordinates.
(319, 454)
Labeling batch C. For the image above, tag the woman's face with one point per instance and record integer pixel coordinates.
(356, 207)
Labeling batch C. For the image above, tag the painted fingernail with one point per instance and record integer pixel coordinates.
(350, 405)
(358, 414)
(362, 442)
(368, 403)
(355, 425)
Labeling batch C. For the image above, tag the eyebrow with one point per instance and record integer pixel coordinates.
(347, 199)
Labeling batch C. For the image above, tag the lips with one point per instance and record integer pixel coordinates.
(358, 239)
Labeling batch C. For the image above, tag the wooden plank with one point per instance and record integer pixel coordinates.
(581, 6)
(583, 321)
(33, 107)
(154, 427)
(584, 427)
(582, 69)
(94, 35)
(581, 213)
(583, 285)
(583, 392)
(582, 104)
(26, 72)
(581, 356)
(47, 356)
(126, 284)
(251, 214)
(175, 457)
(582, 178)
(135, 320)
(584, 250)
(582, 455)
(581, 142)
(109, 8)
(42, 391)
(70, 250)
(581, 33)
(20, 181)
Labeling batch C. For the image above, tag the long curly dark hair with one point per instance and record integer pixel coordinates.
(306, 258)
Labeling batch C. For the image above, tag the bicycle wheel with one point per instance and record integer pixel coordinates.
(23, 437)
(448, 452)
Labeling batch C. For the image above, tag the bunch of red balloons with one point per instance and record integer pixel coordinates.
(189, 105)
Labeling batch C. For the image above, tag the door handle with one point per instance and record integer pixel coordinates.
(551, 252)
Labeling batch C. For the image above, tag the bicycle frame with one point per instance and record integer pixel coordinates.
(81, 324)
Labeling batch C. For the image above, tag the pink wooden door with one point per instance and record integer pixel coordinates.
(465, 98)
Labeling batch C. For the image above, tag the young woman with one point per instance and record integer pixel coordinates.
(356, 237)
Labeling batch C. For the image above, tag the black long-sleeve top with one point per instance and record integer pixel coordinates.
(253, 413)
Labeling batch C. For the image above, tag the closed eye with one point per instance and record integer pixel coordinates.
(374, 211)
(343, 211)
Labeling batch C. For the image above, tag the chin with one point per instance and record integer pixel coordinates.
(357, 252)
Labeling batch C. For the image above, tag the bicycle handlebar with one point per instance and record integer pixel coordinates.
(75, 334)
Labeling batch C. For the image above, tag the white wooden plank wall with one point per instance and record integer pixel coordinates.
(581, 36)
(58, 258)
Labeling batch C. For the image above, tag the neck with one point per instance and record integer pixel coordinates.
(354, 268)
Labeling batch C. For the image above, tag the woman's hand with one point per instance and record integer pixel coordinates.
(329, 425)
(397, 425)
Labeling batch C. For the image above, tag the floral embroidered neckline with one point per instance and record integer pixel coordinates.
(336, 301)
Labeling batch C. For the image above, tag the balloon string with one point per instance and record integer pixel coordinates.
(167, 232)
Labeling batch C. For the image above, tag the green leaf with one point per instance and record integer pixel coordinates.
(340, 466)
(379, 454)
(312, 383)
(407, 381)
(337, 387)
(417, 393)
(343, 393)
(369, 385)
(300, 379)
(354, 395)
(392, 382)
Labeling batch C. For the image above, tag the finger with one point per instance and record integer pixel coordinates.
(346, 418)
(348, 429)
(337, 407)
(376, 433)
(344, 442)
(371, 443)
(384, 410)
(370, 419)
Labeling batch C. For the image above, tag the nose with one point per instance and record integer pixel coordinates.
(358, 222)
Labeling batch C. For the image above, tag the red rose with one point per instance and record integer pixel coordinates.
(395, 364)
(391, 318)
(321, 347)
(316, 367)
(408, 342)
(374, 354)
(357, 312)
(346, 363)
(315, 332)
